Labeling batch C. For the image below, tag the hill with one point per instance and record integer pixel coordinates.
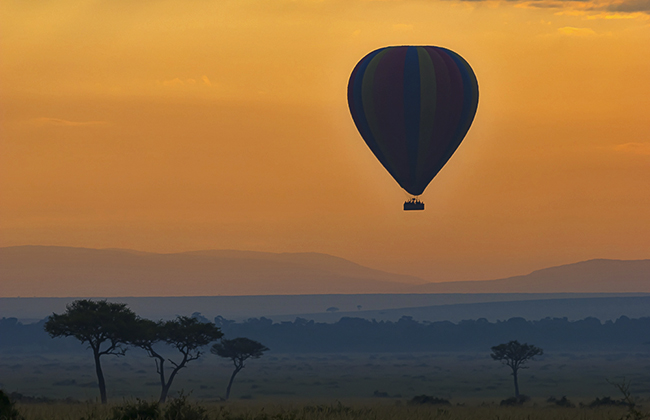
(48, 271)
(593, 276)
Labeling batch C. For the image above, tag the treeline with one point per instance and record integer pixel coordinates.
(408, 335)
(405, 335)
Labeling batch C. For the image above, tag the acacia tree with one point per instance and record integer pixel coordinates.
(185, 334)
(101, 324)
(515, 355)
(238, 350)
(8, 409)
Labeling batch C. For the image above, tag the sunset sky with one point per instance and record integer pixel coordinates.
(223, 124)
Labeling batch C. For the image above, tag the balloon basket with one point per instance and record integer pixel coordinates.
(413, 204)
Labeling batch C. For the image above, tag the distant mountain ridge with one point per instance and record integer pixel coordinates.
(592, 276)
(51, 271)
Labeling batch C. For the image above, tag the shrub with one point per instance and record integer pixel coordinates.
(181, 409)
(328, 410)
(562, 402)
(512, 401)
(7, 408)
(27, 399)
(428, 399)
(607, 401)
(140, 410)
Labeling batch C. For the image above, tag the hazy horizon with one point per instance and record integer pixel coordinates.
(43, 271)
(254, 251)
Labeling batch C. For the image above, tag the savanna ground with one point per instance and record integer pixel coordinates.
(338, 386)
(353, 410)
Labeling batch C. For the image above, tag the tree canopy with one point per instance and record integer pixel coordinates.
(102, 325)
(185, 334)
(515, 355)
(238, 350)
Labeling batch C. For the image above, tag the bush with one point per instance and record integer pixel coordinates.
(27, 399)
(7, 408)
(330, 410)
(140, 410)
(607, 401)
(427, 399)
(562, 402)
(181, 409)
(512, 401)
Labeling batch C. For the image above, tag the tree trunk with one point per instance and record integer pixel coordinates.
(100, 377)
(232, 378)
(164, 392)
(514, 374)
(165, 388)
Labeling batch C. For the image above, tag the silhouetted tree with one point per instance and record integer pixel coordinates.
(238, 350)
(185, 334)
(515, 355)
(8, 409)
(101, 324)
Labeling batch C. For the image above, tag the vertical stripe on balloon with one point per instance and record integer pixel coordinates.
(470, 100)
(427, 108)
(367, 98)
(355, 102)
(412, 104)
(439, 141)
(388, 103)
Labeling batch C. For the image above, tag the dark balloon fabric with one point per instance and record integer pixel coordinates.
(413, 106)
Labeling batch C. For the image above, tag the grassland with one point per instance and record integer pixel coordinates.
(352, 410)
(458, 377)
(374, 386)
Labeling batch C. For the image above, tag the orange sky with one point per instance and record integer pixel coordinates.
(223, 124)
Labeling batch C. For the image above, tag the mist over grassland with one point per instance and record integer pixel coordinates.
(353, 358)
(461, 377)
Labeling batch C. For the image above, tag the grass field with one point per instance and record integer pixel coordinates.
(352, 410)
(464, 378)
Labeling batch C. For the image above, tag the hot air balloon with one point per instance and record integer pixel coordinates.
(413, 106)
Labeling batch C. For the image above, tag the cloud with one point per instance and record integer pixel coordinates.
(618, 15)
(549, 4)
(625, 9)
(571, 13)
(630, 6)
(65, 123)
(206, 80)
(571, 31)
(634, 148)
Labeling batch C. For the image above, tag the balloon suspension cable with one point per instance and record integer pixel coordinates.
(413, 203)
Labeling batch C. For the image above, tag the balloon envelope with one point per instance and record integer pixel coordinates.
(413, 106)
